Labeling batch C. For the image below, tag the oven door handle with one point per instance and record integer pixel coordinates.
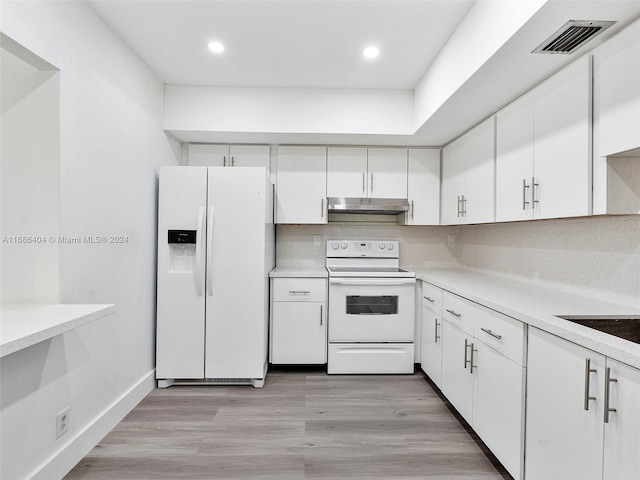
(372, 281)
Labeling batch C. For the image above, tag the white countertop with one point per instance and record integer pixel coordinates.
(538, 307)
(308, 272)
(24, 325)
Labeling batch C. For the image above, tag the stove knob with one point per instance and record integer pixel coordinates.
(344, 245)
(335, 245)
(390, 246)
(381, 246)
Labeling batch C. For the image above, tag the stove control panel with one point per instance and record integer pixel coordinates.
(363, 248)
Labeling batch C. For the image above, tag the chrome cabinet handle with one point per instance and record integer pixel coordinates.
(299, 292)
(371, 182)
(587, 371)
(489, 332)
(320, 314)
(437, 336)
(459, 209)
(364, 179)
(608, 380)
(464, 206)
(533, 192)
(455, 314)
(466, 345)
(524, 194)
(322, 208)
(411, 208)
(471, 365)
(233, 162)
(224, 161)
(429, 299)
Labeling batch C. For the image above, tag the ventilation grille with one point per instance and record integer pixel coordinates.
(571, 36)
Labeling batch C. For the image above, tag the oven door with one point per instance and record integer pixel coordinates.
(371, 309)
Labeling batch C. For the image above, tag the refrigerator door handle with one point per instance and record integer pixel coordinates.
(210, 252)
(199, 247)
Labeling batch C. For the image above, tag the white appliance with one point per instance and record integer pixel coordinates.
(216, 246)
(371, 308)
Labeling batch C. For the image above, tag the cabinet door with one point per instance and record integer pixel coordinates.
(479, 192)
(457, 380)
(618, 90)
(498, 406)
(563, 440)
(301, 185)
(453, 171)
(423, 187)
(347, 172)
(387, 172)
(431, 345)
(208, 155)
(299, 333)
(562, 143)
(249, 156)
(622, 432)
(514, 160)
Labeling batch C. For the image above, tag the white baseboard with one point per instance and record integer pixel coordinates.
(61, 462)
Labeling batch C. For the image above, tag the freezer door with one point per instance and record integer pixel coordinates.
(236, 298)
(181, 257)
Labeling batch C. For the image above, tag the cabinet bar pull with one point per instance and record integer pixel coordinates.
(466, 345)
(533, 192)
(322, 208)
(299, 292)
(489, 332)
(320, 314)
(464, 206)
(471, 365)
(524, 194)
(608, 380)
(371, 182)
(224, 161)
(364, 175)
(455, 314)
(233, 162)
(437, 336)
(587, 371)
(429, 299)
(459, 209)
(411, 208)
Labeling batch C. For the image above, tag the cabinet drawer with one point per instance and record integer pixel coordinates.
(459, 311)
(432, 298)
(299, 289)
(504, 334)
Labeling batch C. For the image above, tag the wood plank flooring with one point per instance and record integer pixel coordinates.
(301, 425)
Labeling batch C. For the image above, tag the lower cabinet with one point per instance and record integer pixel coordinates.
(298, 321)
(431, 333)
(583, 420)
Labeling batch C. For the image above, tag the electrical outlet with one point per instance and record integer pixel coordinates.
(62, 422)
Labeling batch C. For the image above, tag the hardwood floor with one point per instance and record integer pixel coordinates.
(301, 425)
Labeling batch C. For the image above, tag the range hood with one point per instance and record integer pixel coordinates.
(378, 206)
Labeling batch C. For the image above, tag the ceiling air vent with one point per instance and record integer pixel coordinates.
(572, 35)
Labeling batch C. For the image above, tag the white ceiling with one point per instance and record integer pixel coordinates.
(317, 44)
(275, 43)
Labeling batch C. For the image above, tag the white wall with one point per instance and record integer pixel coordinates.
(111, 145)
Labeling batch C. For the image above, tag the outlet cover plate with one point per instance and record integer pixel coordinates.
(62, 422)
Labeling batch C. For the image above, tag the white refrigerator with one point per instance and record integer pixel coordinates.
(216, 246)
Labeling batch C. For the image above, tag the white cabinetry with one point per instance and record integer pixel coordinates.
(423, 187)
(431, 333)
(367, 172)
(483, 375)
(214, 155)
(301, 185)
(299, 321)
(543, 153)
(617, 84)
(468, 177)
(567, 395)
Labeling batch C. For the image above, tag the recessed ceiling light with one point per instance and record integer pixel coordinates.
(371, 52)
(216, 47)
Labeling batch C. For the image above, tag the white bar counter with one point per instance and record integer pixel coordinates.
(24, 325)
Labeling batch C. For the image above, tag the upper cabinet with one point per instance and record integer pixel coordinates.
(356, 172)
(214, 155)
(618, 93)
(423, 187)
(543, 149)
(301, 185)
(468, 177)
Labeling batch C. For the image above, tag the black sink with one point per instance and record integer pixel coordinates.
(619, 326)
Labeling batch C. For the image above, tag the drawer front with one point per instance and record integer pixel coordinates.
(357, 358)
(432, 298)
(504, 334)
(459, 311)
(299, 289)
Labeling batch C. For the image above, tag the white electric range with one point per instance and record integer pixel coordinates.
(371, 308)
